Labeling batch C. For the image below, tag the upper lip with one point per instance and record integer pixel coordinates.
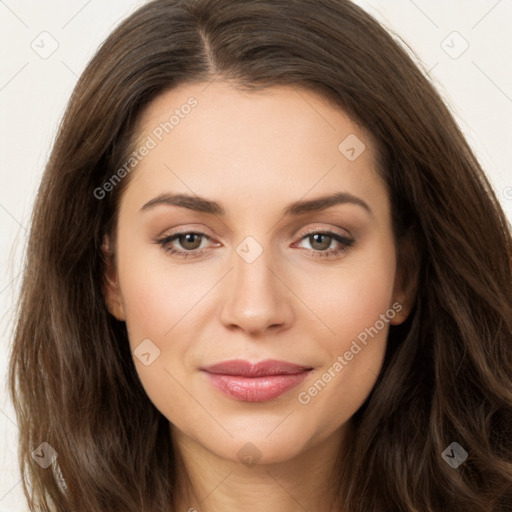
(259, 369)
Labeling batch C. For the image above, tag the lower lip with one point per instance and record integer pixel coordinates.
(256, 389)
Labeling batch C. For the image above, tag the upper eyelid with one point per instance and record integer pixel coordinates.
(189, 229)
(311, 231)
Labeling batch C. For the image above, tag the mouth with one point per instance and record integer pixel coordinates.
(259, 382)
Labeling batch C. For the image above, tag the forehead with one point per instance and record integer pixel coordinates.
(212, 138)
(288, 109)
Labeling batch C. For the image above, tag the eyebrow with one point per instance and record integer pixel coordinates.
(203, 205)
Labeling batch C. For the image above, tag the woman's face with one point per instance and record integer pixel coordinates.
(271, 268)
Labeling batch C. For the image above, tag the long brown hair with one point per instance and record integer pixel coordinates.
(447, 375)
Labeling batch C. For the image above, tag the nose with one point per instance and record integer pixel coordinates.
(257, 299)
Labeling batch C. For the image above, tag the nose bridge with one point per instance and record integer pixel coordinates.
(253, 282)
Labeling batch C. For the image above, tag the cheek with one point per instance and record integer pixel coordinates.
(158, 297)
(157, 301)
(352, 298)
(359, 310)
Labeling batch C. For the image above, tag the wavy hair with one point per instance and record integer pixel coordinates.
(447, 374)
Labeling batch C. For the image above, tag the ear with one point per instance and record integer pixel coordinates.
(110, 286)
(407, 276)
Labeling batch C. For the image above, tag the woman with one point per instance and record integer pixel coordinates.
(265, 270)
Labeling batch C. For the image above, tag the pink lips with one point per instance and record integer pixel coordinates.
(258, 382)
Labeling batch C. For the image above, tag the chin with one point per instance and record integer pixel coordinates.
(256, 446)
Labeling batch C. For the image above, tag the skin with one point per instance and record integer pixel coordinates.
(255, 153)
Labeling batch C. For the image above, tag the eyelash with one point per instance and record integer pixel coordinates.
(345, 242)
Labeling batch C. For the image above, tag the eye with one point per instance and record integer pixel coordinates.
(190, 241)
(320, 241)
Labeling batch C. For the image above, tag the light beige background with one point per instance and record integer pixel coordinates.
(34, 91)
